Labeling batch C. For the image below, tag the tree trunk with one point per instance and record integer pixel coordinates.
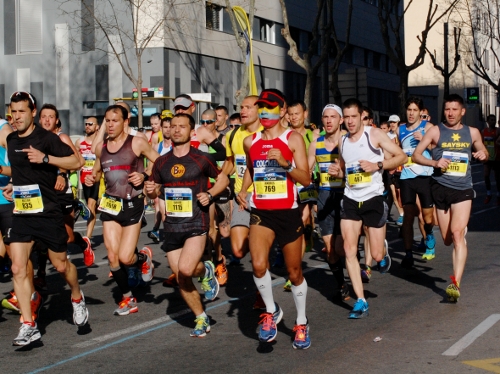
(334, 88)
(403, 91)
(309, 89)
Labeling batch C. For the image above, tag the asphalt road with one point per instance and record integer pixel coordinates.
(418, 331)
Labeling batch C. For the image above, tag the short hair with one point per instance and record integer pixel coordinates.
(369, 111)
(351, 103)
(166, 119)
(491, 116)
(454, 98)
(119, 108)
(188, 116)
(235, 116)
(384, 123)
(51, 107)
(222, 107)
(297, 103)
(210, 112)
(415, 100)
(19, 96)
(155, 115)
(125, 105)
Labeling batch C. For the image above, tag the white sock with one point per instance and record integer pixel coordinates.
(299, 296)
(204, 315)
(265, 288)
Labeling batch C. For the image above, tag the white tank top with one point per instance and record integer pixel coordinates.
(361, 186)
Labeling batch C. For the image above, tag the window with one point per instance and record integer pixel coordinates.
(88, 27)
(28, 27)
(267, 30)
(302, 38)
(213, 17)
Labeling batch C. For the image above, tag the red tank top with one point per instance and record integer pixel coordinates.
(273, 187)
(89, 157)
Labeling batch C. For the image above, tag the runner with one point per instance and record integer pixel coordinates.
(394, 175)
(276, 159)
(222, 117)
(155, 134)
(490, 136)
(181, 178)
(35, 156)
(323, 152)
(415, 181)
(452, 144)
(120, 158)
(362, 161)
(90, 194)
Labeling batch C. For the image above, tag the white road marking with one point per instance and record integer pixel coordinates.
(468, 339)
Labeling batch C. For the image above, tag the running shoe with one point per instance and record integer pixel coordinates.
(77, 207)
(88, 253)
(453, 290)
(11, 302)
(234, 261)
(85, 211)
(366, 274)
(288, 286)
(302, 339)
(430, 241)
(279, 261)
(202, 327)
(147, 265)
(40, 284)
(259, 302)
(209, 284)
(269, 322)
(429, 254)
(360, 310)
(80, 311)
(154, 235)
(27, 334)
(171, 281)
(399, 222)
(408, 261)
(126, 306)
(221, 272)
(386, 262)
(487, 199)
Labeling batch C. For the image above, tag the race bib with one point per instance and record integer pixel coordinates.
(409, 153)
(241, 165)
(490, 147)
(179, 202)
(458, 165)
(308, 194)
(325, 179)
(110, 205)
(356, 177)
(271, 185)
(27, 199)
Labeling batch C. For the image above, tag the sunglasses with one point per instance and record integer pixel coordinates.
(365, 118)
(207, 121)
(424, 116)
(89, 123)
(23, 94)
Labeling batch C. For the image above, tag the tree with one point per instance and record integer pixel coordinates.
(339, 56)
(483, 25)
(306, 61)
(124, 30)
(391, 21)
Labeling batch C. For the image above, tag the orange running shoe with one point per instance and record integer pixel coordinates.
(88, 253)
(11, 302)
(127, 305)
(221, 272)
(171, 281)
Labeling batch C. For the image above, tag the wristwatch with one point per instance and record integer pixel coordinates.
(290, 167)
(210, 197)
(46, 159)
(380, 165)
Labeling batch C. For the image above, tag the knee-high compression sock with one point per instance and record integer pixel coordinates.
(121, 278)
(338, 272)
(265, 288)
(299, 296)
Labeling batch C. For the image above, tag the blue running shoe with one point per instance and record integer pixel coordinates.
(386, 262)
(269, 323)
(302, 339)
(429, 254)
(154, 235)
(430, 241)
(202, 327)
(209, 284)
(399, 222)
(85, 211)
(360, 310)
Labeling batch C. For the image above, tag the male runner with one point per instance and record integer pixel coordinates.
(120, 158)
(323, 152)
(362, 162)
(181, 178)
(234, 121)
(490, 136)
(415, 181)
(154, 135)
(396, 174)
(276, 159)
(222, 117)
(452, 143)
(90, 194)
(35, 156)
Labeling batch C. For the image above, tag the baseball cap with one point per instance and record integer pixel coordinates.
(271, 97)
(394, 118)
(334, 107)
(166, 113)
(183, 101)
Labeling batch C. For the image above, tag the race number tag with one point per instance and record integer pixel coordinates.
(110, 205)
(308, 194)
(356, 177)
(409, 153)
(27, 199)
(270, 185)
(490, 147)
(325, 179)
(241, 165)
(458, 165)
(179, 202)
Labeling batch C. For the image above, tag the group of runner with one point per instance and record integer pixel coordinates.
(258, 184)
